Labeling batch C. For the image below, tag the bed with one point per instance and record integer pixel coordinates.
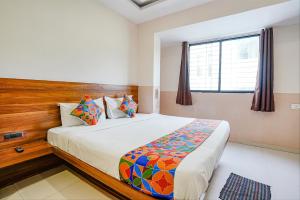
(103, 145)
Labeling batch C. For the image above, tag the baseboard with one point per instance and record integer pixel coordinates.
(267, 146)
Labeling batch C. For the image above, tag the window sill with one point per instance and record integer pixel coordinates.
(212, 91)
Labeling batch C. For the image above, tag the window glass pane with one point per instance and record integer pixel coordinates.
(204, 66)
(239, 64)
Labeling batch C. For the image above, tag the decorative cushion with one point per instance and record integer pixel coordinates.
(112, 107)
(69, 120)
(128, 106)
(88, 111)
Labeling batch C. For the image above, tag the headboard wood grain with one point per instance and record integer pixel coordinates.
(31, 105)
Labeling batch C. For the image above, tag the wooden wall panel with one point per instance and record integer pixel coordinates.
(31, 105)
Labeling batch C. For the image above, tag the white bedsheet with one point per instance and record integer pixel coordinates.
(103, 145)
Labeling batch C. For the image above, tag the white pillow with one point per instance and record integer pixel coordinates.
(66, 118)
(69, 120)
(113, 105)
(100, 103)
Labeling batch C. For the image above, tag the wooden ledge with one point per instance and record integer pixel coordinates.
(32, 150)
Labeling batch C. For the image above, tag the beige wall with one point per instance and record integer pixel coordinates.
(279, 129)
(148, 73)
(70, 40)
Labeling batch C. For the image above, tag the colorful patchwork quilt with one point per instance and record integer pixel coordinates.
(151, 168)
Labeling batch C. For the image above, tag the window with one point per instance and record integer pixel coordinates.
(225, 65)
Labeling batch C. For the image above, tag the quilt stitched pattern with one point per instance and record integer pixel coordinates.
(151, 168)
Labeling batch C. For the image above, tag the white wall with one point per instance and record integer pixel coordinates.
(69, 40)
(170, 60)
(147, 41)
(211, 10)
(286, 62)
(286, 59)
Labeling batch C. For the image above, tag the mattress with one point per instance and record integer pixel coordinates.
(103, 145)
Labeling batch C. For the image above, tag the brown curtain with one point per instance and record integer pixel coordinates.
(263, 99)
(184, 96)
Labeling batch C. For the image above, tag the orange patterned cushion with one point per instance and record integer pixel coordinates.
(128, 106)
(88, 111)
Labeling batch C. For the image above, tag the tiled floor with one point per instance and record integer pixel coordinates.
(280, 170)
(57, 184)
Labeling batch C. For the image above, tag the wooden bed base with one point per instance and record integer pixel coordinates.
(108, 180)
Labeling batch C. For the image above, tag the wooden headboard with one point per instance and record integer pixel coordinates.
(31, 105)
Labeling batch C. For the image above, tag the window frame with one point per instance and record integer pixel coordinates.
(220, 41)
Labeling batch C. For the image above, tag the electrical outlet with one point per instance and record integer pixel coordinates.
(295, 106)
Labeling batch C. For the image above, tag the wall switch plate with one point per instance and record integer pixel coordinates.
(295, 106)
(13, 135)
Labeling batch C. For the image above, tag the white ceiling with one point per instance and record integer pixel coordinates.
(158, 9)
(243, 23)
